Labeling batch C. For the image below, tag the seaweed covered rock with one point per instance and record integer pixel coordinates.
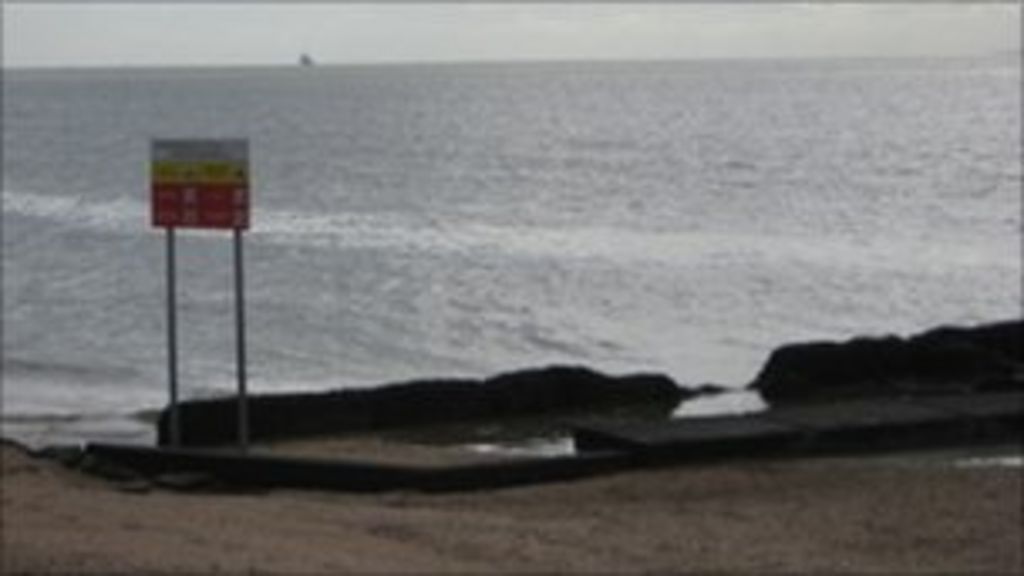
(528, 392)
(946, 359)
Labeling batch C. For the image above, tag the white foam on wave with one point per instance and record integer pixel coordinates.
(119, 214)
(65, 395)
(418, 233)
(411, 233)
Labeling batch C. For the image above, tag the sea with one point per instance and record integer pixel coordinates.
(462, 220)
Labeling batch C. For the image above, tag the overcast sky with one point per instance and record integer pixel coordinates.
(231, 34)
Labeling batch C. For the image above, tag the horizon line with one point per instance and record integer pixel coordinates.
(1007, 54)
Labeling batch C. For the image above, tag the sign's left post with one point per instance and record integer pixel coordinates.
(172, 343)
(166, 213)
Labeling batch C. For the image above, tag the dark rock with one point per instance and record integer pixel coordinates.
(946, 359)
(538, 391)
(567, 388)
(710, 390)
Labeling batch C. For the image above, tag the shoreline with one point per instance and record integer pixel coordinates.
(139, 427)
(944, 359)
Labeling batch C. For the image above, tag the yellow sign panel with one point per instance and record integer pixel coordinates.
(222, 173)
(177, 172)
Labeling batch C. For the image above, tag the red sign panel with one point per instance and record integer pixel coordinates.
(200, 184)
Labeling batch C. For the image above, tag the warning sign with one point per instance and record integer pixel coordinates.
(200, 183)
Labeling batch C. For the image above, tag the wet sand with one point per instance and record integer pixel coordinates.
(814, 516)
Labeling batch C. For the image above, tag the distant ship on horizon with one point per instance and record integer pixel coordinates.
(306, 60)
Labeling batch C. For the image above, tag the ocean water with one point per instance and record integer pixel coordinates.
(462, 220)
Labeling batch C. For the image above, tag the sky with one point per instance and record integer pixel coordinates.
(208, 34)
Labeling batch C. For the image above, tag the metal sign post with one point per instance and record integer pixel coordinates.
(202, 184)
(172, 342)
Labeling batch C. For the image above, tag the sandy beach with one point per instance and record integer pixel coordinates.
(816, 516)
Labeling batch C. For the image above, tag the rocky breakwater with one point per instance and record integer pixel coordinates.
(981, 358)
(524, 393)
